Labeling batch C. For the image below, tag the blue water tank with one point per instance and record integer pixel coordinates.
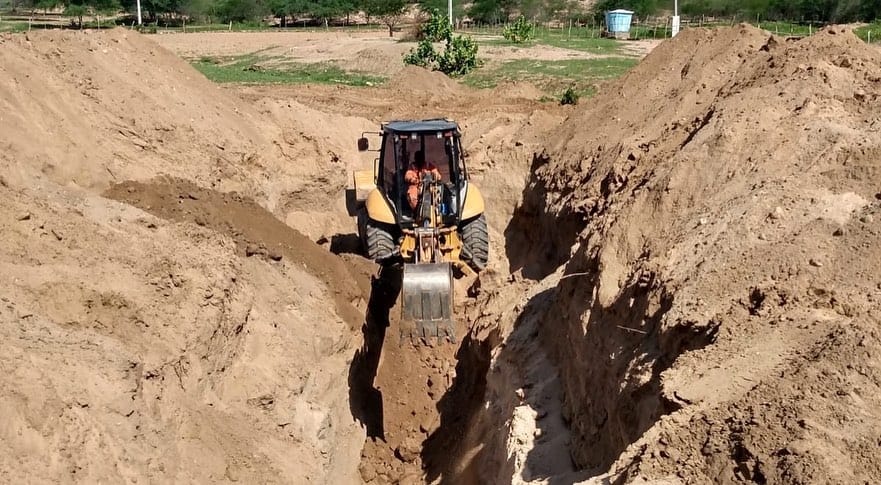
(618, 21)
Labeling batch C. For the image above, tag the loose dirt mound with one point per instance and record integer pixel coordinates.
(95, 108)
(196, 340)
(413, 78)
(714, 212)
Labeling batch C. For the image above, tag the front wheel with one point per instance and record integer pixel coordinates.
(475, 242)
(379, 240)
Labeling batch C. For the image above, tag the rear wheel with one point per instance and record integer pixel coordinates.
(475, 242)
(379, 240)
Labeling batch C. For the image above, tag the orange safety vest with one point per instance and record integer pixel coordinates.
(413, 176)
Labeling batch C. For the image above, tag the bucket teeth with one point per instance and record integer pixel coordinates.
(427, 296)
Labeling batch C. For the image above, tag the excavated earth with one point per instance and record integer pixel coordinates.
(684, 285)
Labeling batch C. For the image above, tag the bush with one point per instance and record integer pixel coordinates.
(569, 97)
(459, 56)
(423, 55)
(520, 31)
(437, 28)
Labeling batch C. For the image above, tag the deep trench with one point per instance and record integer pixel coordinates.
(604, 408)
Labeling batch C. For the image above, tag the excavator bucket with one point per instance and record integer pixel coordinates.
(427, 295)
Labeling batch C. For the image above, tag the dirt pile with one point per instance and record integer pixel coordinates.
(414, 78)
(95, 108)
(179, 332)
(707, 225)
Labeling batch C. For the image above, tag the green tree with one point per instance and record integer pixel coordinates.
(77, 9)
(199, 10)
(870, 10)
(390, 12)
(437, 27)
(239, 10)
(641, 8)
(429, 6)
(492, 10)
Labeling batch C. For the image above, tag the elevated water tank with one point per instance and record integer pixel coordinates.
(618, 23)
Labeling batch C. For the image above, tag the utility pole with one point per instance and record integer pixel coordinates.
(139, 13)
(450, 8)
(675, 21)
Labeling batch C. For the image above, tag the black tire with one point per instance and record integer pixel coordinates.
(379, 239)
(475, 242)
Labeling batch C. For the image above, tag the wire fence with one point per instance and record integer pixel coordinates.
(661, 27)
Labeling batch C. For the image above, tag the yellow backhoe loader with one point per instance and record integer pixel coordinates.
(417, 208)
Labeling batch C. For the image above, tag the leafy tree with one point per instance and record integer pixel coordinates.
(390, 12)
(437, 28)
(641, 8)
(203, 10)
(239, 10)
(492, 10)
(429, 6)
(153, 9)
(76, 11)
(279, 9)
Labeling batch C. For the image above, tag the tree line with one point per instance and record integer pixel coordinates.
(484, 11)
(824, 11)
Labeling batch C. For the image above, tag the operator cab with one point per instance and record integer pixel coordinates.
(439, 141)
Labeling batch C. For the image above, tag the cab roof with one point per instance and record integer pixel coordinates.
(420, 126)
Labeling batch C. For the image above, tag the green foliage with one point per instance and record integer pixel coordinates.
(428, 6)
(423, 55)
(248, 70)
(239, 10)
(459, 57)
(520, 31)
(569, 97)
(437, 28)
(13, 26)
(77, 11)
(389, 12)
(799, 10)
(641, 8)
(198, 10)
(869, 33)
(582, 75)
(492, 10)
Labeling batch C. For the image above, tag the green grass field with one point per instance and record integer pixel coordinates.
(870, 33)
(13, 26)
(579, 39)
(253, 69)
(553, 77)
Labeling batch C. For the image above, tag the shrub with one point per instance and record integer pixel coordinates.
(520, 31)
(423, 55)
(569, 97)
(459, 56)
(437, 28)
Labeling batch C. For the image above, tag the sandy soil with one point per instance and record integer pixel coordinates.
(366, 51)
(682, 289)
(708, 247)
